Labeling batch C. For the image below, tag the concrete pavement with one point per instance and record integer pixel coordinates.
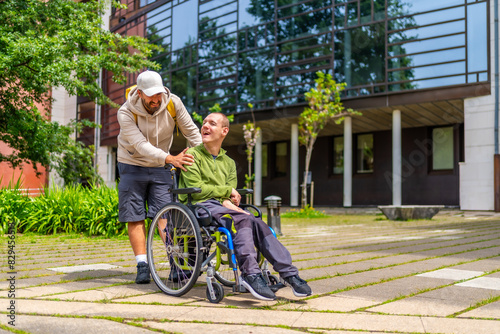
(368, 275)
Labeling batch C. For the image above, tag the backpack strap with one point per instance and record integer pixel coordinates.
(171, 111)
(170, 108)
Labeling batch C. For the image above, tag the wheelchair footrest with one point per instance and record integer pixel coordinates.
(276, 287)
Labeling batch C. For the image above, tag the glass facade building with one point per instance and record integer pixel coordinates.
(422, 57)
(267, 52)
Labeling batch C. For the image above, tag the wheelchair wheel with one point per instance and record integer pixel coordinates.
(219, 293)
(173, 249)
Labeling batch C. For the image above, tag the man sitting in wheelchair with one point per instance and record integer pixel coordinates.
(215, 173)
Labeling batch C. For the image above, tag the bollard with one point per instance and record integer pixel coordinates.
(273, 213)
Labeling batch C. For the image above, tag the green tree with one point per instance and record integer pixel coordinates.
(215, 108)
(57, 43)
(324, 105)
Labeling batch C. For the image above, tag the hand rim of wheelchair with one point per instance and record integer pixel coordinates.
(163, 261)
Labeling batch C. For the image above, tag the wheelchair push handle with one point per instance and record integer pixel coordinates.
(245, 191)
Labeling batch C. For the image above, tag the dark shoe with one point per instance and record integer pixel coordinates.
(143, 276)
(257, 286)
(298, 285)
(177, 276)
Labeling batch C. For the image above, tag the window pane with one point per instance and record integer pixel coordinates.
(477, 34)
(338, 155)
(254, 12)
(256, 76)
(442, 148)
(304, 25)
(185, 29)
(146, 2)
(365, 153)
(184, 86)
(264, 159)
(359, 55)
(281, 160)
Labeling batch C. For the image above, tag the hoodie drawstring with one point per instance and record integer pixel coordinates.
(157, 134)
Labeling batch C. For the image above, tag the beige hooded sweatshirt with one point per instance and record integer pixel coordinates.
(147, 141)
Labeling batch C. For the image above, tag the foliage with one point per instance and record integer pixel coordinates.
(324, 105)
(215, 108)
(74, 163)
(306, 212)
(74, 209)
(13, 206)
(57, 43)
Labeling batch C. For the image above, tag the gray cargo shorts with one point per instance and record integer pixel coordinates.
(140, 186)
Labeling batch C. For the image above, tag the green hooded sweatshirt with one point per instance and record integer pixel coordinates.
(215, 176)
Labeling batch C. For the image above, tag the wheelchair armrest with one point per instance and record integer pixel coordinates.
(245, 191)
(185, 191)
(203, 221)
(245, 206)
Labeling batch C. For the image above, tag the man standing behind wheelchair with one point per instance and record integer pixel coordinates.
(215, 173)
(144, 141)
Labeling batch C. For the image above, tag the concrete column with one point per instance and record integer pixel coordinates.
(348, 162)
(63, 111)
(257, 192)
(111, 161)
(294, 165)
(396, 158)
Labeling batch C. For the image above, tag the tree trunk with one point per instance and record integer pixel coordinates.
(304, 184)
(249, 197)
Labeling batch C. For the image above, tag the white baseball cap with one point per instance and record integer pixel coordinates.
(150, 83)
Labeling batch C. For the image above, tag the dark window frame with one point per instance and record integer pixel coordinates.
(455, 149)
(331, 157)
(272, 155)
(355, 154)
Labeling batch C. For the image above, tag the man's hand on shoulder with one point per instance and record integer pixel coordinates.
(180, 159)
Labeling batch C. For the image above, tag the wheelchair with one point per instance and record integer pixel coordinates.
(184, 242)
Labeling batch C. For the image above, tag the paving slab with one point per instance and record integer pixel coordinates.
(440, 302)
(183, 327)
(383, 292)
(75, 308)
(334, 303)
(381, 323)
(60, 325)
(452, 274)
(486, 265)
(351, 332)
(490, 283)
(107, 293)
(194, 295)
(489, 311)
(52, 277)
(68, 287)
(85, 267)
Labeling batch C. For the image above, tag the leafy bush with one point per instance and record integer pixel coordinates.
(13, 208)
(92, 211)
(307, 212)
